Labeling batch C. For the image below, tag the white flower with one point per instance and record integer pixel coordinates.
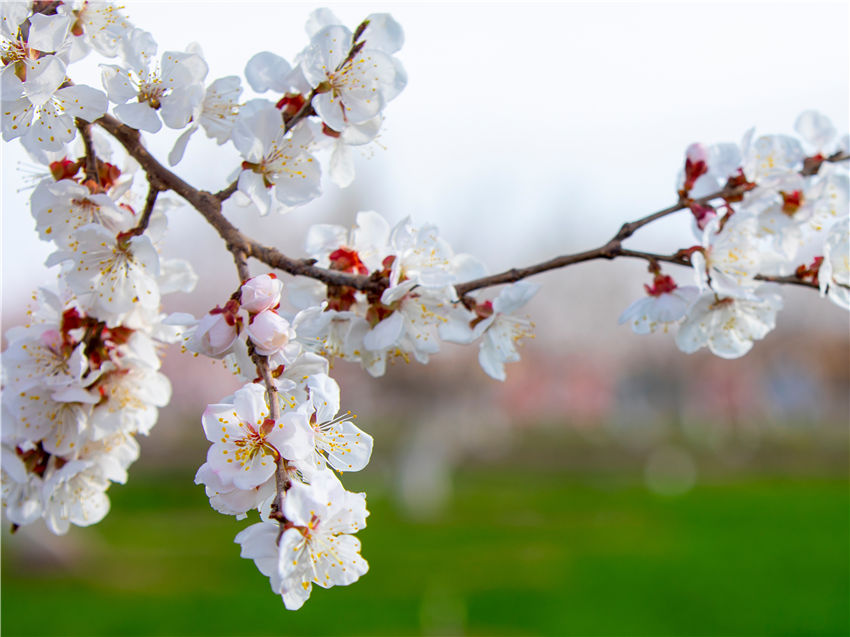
(246, 442)
(21, 489)
(319, 548)
(337, 440)
(216, 113)
(33, 104)
(795, 214)
(770, 157)
(101, 26)
(19, 57)
(61, 207)
(60, 426)
(817, 131)
(259, 542)
(423, 259)
(501, 331)
(43, 357)
(216, 333)
(132, 395)
(226, 498)
(267, 71)
(728, 325)
(834, 273)
(721, 161)
(665, 303)
(74, 494)
(275, 161)
(49, 123)
(359, 250)
(172, 91)
(111, 275)
(733, 254)
(352, 89)
(341, 165)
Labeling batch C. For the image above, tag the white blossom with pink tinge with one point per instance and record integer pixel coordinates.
(728, 325)
(246, 441)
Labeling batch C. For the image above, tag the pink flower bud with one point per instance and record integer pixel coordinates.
(696, 153)
(703, 214)
(214, 336)
(269, 332)
(261, 293)
(696, 164)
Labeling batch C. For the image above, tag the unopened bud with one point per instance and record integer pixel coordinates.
(261, 293)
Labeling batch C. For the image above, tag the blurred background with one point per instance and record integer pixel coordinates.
(613, 485)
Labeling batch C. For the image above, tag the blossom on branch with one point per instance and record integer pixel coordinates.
(171, 91)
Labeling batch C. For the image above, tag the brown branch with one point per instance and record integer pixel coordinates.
(282, 482)
(241, 262)
(611, 250)
(243, 247)
(614, 249)
(210, 208)
(46, 7)
(91, 158)
(812, 164)
(790, 280)
(150, 202)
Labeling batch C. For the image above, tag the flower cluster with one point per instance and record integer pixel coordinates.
(784, 213)
(81, 379)
(274, 447)
(418, 306)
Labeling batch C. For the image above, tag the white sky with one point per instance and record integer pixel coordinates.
(531, 129)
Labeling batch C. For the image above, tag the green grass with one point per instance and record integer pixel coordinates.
(515, 554)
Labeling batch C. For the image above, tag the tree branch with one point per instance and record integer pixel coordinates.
(242, 246)
(150, 202)
(210, 208)
(790, 280)
(91, 158)
(282, 482)
(614, 249)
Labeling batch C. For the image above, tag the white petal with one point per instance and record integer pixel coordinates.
(44, 76)
(385, 334)
(342, 165)
(138, 115)
(117, 83)
(48, 32)
(267, 71)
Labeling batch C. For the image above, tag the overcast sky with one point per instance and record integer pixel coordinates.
(525, 130)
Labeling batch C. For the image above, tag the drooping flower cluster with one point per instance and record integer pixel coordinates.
(81, 379)
(274, 447)
(785, 213)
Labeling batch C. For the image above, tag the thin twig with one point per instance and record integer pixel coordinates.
(609, 251)
(790, 280)
(241, 262)
(282, 482)
(150, 202)
(614, 249)
(91, 158)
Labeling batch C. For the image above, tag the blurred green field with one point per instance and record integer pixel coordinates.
(541, 553)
